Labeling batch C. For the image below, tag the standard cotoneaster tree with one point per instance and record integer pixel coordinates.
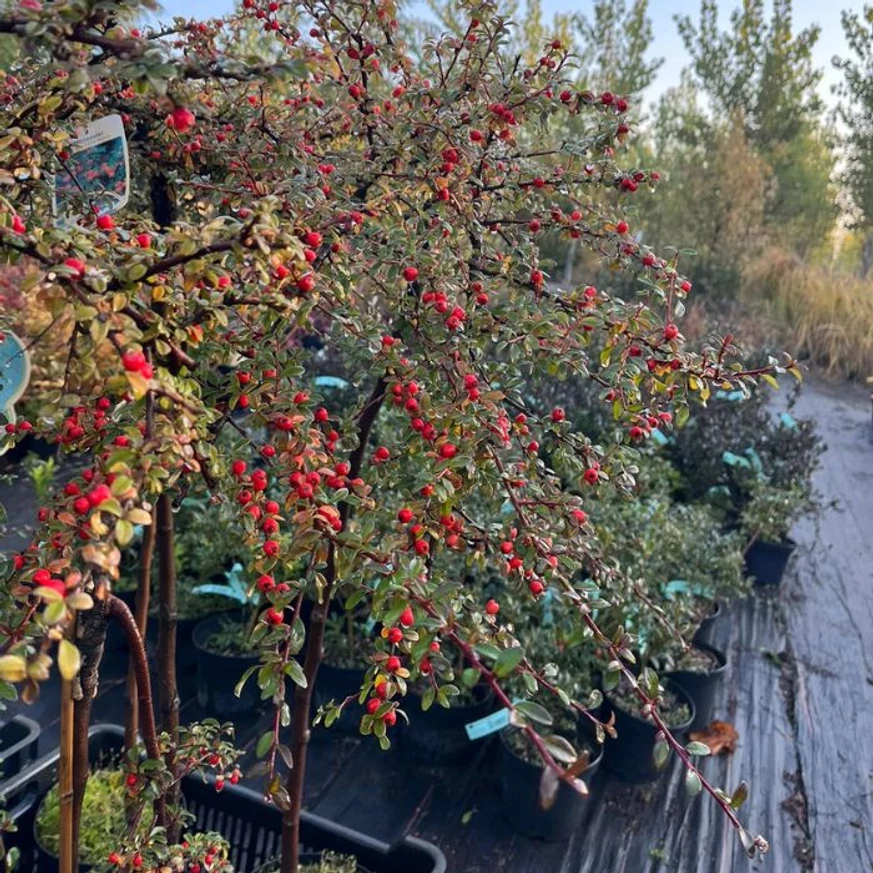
(307, 199)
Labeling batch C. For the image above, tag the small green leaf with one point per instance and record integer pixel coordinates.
(295, 672)
(69, 660)
(534, 712)
(692, 783)
(696, 748)
(560, 749)
(264, 742)
(470, 677)
(740, 795)
(660, 754)
(508, 660)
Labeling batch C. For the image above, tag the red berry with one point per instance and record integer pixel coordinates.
(448, 450)
(410, 273)
(558, 414)
(492, 607)
(81, 506)
(407, 617)
(77, 266)
(405, 515)
(99, 494)
(390, 718)
(143, 240)
(306, 283)
(180, 119)
(671, 332)
(622, 227)
(105, 222)
(394, 635)
(381, 454)
(273, 616)
(592, 476)
(373, 704)
(392, 665)
(238, 467)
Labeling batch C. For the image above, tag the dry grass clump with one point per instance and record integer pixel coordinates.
(823, 317)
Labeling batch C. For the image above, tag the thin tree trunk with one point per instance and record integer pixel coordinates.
(314, 653)
(143, 596)
(570, 262)
(67, 853)
(90, 639)
(119, 611)
(167, 614)
(866, 255)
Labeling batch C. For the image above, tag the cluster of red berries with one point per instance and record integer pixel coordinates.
(631, 182)
(136, 362)
(646, 424)
(18, 427)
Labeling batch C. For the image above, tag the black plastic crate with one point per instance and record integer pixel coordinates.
(252, 826)
(19, 738)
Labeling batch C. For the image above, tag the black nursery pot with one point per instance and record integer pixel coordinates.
(704, 631)
(218, 675)
(19, 737)
(438, 736)
(338, 683)
(701, 687)
(766, 562)
(520, 790)
(629, 755)
(28, 445)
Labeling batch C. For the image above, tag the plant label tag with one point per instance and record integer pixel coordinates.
(14, 374)
(94, 178)
(497, 721)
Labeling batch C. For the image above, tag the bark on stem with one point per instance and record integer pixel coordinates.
(143, 596)
(120, 612)
(90, 637)
(315, 651)
(167, 617)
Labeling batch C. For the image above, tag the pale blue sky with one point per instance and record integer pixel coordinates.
(667, 43)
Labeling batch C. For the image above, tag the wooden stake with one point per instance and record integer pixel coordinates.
(68, 864)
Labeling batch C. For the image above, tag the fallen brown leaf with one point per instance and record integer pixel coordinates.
(720, 736)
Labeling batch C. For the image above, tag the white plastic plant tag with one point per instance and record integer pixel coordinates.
(94, 178)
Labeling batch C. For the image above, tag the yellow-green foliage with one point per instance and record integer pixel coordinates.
(825, 316)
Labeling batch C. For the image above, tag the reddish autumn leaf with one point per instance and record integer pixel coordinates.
(720, 736)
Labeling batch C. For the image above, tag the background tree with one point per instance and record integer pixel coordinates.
(615, 45)
(856, 113)
(758, 69)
